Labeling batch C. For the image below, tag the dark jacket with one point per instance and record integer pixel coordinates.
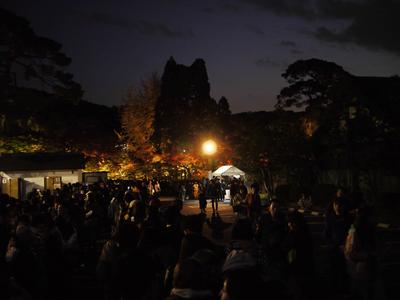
(336, 228)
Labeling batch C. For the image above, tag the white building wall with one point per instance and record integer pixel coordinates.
(36, 179)
(72, 178)
(33, 183)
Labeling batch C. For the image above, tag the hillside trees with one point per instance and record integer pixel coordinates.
(355, 117)
(273, 147)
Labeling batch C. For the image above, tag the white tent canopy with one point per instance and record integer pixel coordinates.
(228, 171)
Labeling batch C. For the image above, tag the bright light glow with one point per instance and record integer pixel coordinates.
(209, 147)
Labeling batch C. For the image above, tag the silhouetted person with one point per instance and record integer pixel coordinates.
(337, 224)
(300, 255)
(193, 239)
(190, 282)
(122, 242)
(243, 284)
(253, 203)
(271, 232)
(361, 255)
(212, 193)
(243, 236)
(202, 202)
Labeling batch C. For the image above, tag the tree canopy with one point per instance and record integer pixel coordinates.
(27, 59)
(355, 118)
(137, 117)
(312, 83)
(184, 110)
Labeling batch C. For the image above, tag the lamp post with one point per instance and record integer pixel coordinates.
(209, 148)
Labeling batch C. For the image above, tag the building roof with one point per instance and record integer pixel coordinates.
(41, 161)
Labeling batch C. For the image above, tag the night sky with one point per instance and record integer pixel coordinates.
(246, 44)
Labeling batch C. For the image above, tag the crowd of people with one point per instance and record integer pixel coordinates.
(152, 251)
(213, 189)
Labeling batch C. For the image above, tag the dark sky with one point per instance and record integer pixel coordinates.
(246, 44)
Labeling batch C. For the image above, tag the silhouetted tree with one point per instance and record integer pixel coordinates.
(184, 109)
(312, 84)
(224, 116)
(223, 107)
(27, 57)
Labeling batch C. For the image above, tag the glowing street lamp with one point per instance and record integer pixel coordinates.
(209, 147)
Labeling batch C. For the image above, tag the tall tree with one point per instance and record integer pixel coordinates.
(28, 58)
(223, 107)
(313, 84)
(184, 109)
(223, 112)
(137, 117)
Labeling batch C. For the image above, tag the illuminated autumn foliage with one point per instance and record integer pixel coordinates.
(137, 118)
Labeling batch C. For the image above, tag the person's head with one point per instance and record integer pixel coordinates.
(253, 190)
(178, 204)
(23, 236)
(43, 222)
(340, 192)
(338, 206)
(25, 219)
(62, 209)
(127, 235)
(238, 260)
(193, 224)
(242, 230)
(205, 257)
(242, 285)
(189, 274)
